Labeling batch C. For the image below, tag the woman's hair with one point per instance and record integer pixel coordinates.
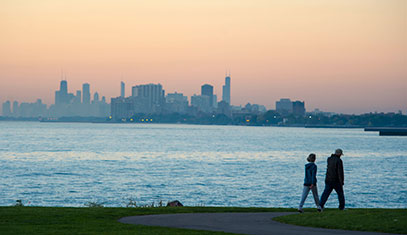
(311, 157)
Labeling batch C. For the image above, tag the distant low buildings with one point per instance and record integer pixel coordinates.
(176, 103)
(25, 109)
(66, 105)
(146, 99)
(286, 106)
(298, 108)
(202, 103)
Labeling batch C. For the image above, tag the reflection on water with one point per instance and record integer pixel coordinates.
(65, 164)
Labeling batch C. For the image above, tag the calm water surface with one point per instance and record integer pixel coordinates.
(70, 164)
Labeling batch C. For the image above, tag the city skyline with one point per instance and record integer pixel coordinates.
(339, 56)
(122, 86)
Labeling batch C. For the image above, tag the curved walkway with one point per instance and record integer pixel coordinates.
(244, 223)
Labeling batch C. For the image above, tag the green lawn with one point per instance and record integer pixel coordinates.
(374, 220)
(65, 220)
(62, 220)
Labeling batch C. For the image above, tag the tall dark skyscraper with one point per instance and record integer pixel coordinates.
(63, 88)
(122, 89)
(86, 93)
(208, 91)
(61, 96)
(226, 90)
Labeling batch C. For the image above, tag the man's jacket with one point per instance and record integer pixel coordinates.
(334, 171)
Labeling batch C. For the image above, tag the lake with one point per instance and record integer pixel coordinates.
(71, 164)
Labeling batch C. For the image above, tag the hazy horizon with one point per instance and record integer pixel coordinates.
(339, 56)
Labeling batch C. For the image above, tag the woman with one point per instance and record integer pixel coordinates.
(310, 183)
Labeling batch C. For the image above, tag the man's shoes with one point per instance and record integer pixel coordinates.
(319, 209)
(300, 210)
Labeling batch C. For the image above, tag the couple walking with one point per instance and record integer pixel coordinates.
(334, 180)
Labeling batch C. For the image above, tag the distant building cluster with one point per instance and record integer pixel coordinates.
(24, 110)
(144, 99)
(78, 105)
(66, 105)
(151, 99)
(286, 106)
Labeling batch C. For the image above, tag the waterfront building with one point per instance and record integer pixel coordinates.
(299, 108)
(15, 108)
(6, 109)
(148, 98)
(255, 108)
(202, 103)
(224, 108)
(144, 99)
(176, 103)
(226, 90)
(28, 110)
(284, 106)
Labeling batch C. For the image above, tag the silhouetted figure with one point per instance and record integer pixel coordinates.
(334, 179)
(310, 182)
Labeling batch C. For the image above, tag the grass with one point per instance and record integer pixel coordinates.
(103, 220)
(64, 220)
(373, 220)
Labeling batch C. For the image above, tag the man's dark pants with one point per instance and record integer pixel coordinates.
(327, 191)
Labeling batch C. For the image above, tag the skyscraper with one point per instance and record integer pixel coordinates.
(61, 96)
(226, 90)
(6, 109)
(63, 87)
(299, 108)
(207, 90)
(122, 89)
(86, 93)
(149, 98)
(15, 109)
(96, 97)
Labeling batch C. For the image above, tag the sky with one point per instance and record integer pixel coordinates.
(346, 56)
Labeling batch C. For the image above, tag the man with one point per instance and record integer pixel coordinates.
(334, 179)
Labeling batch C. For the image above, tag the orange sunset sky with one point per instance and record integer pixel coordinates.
(345, 56)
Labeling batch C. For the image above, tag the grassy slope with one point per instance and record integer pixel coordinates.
(60, 220)
(375, 220)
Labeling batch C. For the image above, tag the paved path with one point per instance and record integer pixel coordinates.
(244, 223)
